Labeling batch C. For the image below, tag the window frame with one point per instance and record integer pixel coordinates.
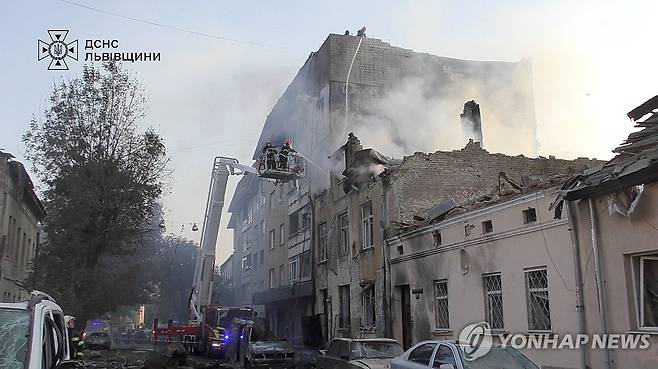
(526, 273)
(487, 304)
(272, 239)
(640, 292)
(438, 297)
(344, 315)
(431, 357)
(323, 242)
(344, 234)
(367, 224)
(368, 308)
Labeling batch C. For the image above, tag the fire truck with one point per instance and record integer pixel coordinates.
(208, 331)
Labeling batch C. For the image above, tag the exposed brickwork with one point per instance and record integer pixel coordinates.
(423, 180)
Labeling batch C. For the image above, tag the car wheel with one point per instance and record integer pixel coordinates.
(247, 364)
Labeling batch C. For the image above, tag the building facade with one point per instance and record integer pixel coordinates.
(20, 232)
(376, 199)
(508, 264)
(615, 212)
(339, 89)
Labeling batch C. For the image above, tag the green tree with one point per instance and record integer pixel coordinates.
(101, 178)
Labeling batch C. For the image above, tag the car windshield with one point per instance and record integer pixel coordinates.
(14, 333)
(374, 350)
(498, 357)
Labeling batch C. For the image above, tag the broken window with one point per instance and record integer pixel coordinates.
(246, 262)
(441, 314)
(487, 226)
(539, 309)
(272, 203)
(281, 274)
(305, 265)
(368, 307)
(298, 221)
(493, 300)
(467, 229)
(322, 241)
(649, 291)
(529, 215)
(367, 225)
(344, 306)
(436, 237)
(294, 264)
(344, 224)
(14, 334)
(400, 249)
(282, 240)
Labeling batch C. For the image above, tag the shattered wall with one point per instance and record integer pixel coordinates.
(423, 180)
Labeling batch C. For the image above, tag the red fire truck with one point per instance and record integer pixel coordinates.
(208, 337)
(209, 328)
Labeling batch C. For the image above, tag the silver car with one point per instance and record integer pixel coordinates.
(346, 353)
(451, 355)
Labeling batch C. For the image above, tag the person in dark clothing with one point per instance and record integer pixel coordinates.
(286, 150)
(270, 160)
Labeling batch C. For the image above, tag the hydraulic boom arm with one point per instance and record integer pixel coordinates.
(205, 263)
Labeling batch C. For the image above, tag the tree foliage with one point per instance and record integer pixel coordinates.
(102, 178)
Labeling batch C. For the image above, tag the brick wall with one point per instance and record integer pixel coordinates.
(423, 180)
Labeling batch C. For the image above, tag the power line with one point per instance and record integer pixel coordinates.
(174, 28)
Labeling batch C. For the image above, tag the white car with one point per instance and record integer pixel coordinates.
(347, 353)
(450, 355)
(34, 336)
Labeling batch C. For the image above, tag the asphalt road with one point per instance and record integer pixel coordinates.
(137, 358)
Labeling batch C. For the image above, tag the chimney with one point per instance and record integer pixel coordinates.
(353, 145)
(472, 122)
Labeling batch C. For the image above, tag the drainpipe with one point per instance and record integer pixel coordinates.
(312, 256)
(580, 302)
(607, 363)
(386, 300)
(4, 238)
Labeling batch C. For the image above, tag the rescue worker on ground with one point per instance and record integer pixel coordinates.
(75, 338)
(284, 154)
(270, 160)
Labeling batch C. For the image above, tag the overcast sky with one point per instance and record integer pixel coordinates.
(593, 62)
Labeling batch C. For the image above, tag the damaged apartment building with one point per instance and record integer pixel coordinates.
(375, 199)
(546, 255)
(21, 212)
(346, 86)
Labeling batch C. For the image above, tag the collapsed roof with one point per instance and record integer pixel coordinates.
(636, 161)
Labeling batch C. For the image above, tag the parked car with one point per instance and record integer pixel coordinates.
(253, 345)
(450, 355)
(346, 353)
(34, 336)
(101, 340)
